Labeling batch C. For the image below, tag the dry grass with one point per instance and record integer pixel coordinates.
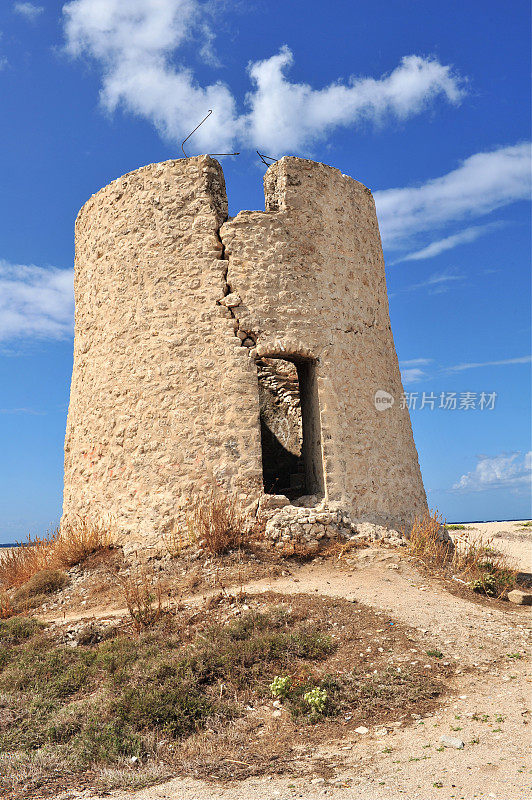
(177, 540)
(62, 549)
(143, 596)
(192, 695)
(425, 540)
(36, 590)
(471, 560)
(6, 607)
(215, 523)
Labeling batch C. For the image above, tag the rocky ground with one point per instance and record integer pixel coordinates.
(475, 743)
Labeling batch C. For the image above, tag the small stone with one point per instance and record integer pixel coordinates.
(318, 780)
(362, 730)
(277, 713)
(520, 598)
(231, 300)
(452, 741)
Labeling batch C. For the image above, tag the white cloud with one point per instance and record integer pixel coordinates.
(133, 42)
(417, 362)
(35, 301)
(436, 284)
(509, 471)
(411, 371)
(502, 363)
(412, 375)
(288, 116)
(28, 10)
(463, 237)
(30, 411)
(3, 59)
(483, 182)
(136, 43)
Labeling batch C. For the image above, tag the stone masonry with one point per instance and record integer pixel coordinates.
(181, 312)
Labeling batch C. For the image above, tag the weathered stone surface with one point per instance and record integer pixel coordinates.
(173, 307)
(520, 598)
(310, 273)
(312, 525)
(163, 396)
(452, 741)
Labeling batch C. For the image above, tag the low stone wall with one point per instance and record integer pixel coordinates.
(316, 525)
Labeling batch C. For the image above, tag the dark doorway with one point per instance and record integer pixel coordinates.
(290, 427)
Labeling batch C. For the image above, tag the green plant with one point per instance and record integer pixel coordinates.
(178, 693)
(173, 707)
(486, 584)
(471, 559)
(317, 699)
(435, 653)
(18, 629)
(280, 686)
(46, 581)
(455, 527)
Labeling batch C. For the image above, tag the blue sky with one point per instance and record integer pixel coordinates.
(427, 103)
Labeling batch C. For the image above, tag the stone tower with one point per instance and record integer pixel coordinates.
(246, 352)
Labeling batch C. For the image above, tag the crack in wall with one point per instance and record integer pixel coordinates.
(231, 299)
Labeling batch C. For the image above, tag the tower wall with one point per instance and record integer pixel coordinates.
(173, 305)
(310, 273)
(163, 396)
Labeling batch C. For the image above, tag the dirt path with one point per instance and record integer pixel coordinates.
(486, 707)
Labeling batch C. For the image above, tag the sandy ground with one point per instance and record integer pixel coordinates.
(508, 537)
(487, 705)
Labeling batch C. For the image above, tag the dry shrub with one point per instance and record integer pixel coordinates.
(426, 542)
(485, 569)
(299, 550)
(339, 548)
(177, 539)
(80, 539)
(215, 522)
(143, 596)
(471, 560)
(6, 607)
(64, 548)
(18, 564)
